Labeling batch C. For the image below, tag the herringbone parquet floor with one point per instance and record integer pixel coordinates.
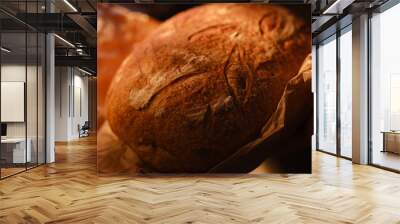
(69, 191)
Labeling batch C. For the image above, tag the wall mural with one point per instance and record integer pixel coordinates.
(214, 88)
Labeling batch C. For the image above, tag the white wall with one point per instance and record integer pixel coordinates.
(80, 100)
(50, 94)
(360, 89)
(12, 73)
(33, 127)
(61, 103)
(71, 94)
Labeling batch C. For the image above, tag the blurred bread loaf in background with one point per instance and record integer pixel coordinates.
(118, 31)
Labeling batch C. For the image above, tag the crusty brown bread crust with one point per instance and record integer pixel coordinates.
(205, 83)
(118, 30)
(284, 142)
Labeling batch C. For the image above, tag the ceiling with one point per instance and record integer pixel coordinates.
(72, 20)
(16, 42)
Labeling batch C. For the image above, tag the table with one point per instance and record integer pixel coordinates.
(391, 141)
(13, 150)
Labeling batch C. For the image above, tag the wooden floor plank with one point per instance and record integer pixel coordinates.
(70, 191)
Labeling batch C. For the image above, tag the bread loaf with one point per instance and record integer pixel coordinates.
(205, 83)
(113, 155)
(118, 31)
(284, 142)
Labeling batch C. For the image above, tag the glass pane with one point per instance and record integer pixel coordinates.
(385, 84)
(41, 98)
(345, 94)
(327, 96)
(22, 88)
(31, 97)
(13, 89)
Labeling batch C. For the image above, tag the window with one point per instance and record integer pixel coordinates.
(334, 95)
(385, 89)
(327, 95)
(22, 77)
(345, 43)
